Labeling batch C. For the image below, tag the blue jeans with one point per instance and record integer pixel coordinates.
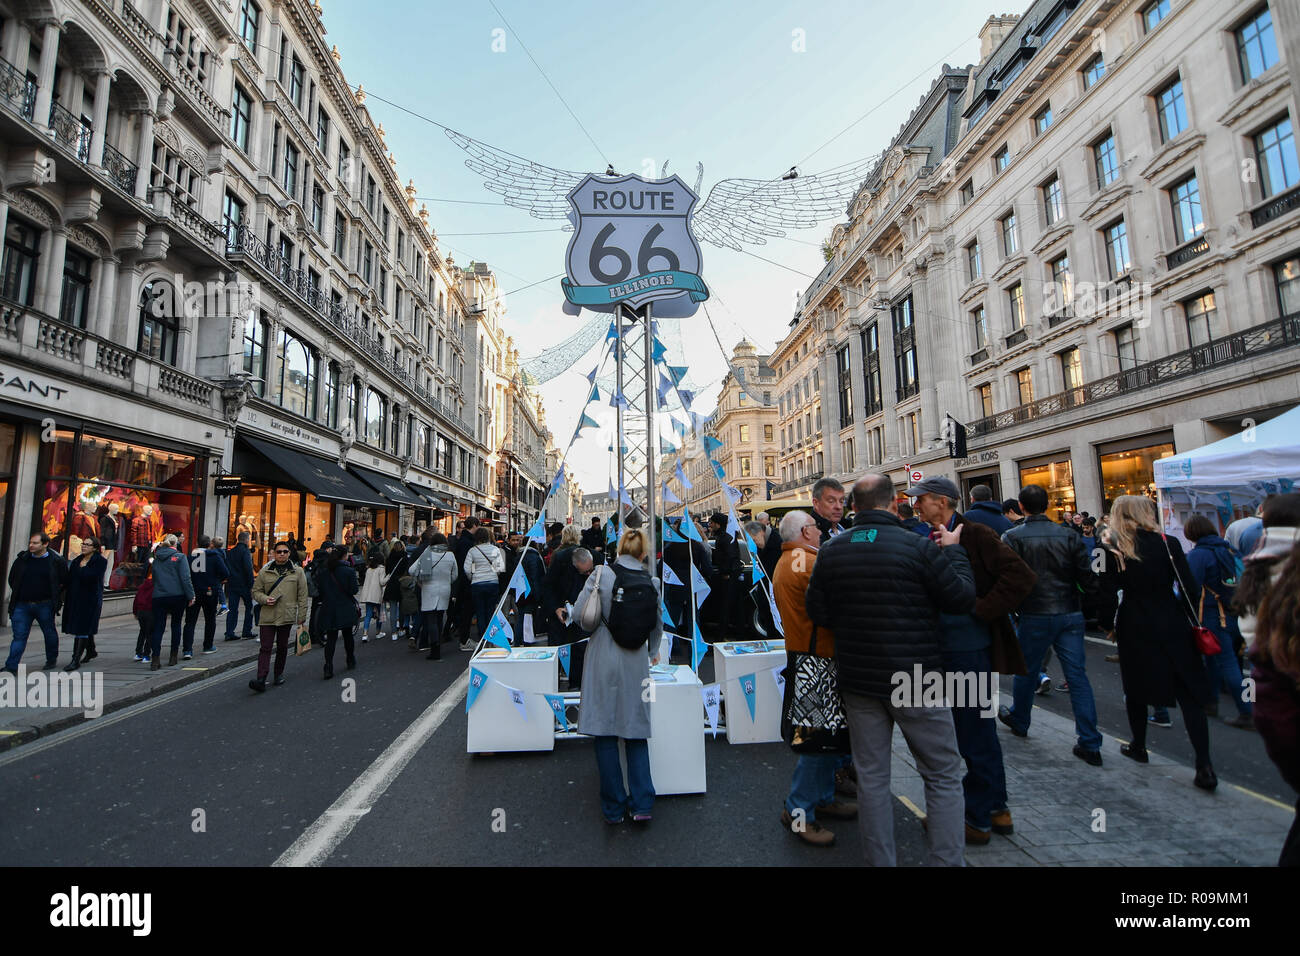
(372, 610)
(1224, 669)
(813, 784)
(485, 601)
(614, 799)
(24, 613)
(238, 597)
(985, 783)
(393, 616)
(1064, 632)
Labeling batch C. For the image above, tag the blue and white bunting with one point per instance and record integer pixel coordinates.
(591, 376)
(717, 470)
(712, 695)
(671, 536)
(499, 631)
(691, 532)
(698, 647)
(563, 655)
(749, 688)
(556, 703)
(537, 532)
(587, 422)
(670, 498)
(477, 681)
(519, 583)
(517, 698)
(665, 616)
(710, 443)
(595, 393)
(670, 577)
(658, 351)
(699, 588)
(681, 475)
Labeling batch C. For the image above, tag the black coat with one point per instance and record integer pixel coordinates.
(880, 589)
(58, 570)
(393, 589)
(84, 595)
(240, 562)
(337, 592)
(1153, 631)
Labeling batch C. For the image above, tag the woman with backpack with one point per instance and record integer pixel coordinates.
(1214, 566)
(484, 563)
(624, 642)
(336, 583)
(435, 573)
(1159, 661)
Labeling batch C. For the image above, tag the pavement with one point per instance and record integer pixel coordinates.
(213, 774)
(125, 681)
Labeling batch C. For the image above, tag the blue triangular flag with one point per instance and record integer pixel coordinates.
(710, 443)
(670, 576)
(671, 536)
(556, 482)
(688, 528)
(663, 613)
(681, 475)
(666, 447)
(698, 647)
(678, 372)
(595, 394)
(612, 333)
(670, 498)
(687, 396)
(588, 422)
(556, 703)
(749, 689)
(591, 376)
(680, 429)
(537, 532)
(563, 655)
(477, 681)
(717, 470)
(733, 525)
(499, 631)
(658, 352)
(610, 535)
(517, 698)
(519, 582)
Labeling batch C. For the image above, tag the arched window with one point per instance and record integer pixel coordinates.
(332, 396)
(295, 375)
(354, 406)
(159, 322)
(376, 418)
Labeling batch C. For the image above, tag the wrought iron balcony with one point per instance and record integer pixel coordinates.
(1277, 206)
(1271, 336)
(1060, 316)
(17, 92)
(70, 131)
(981, 356)
(1187, 252)
(906, 390)
(120, 169)
(1017, 337)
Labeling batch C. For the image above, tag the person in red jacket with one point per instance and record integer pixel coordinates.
(142, 608)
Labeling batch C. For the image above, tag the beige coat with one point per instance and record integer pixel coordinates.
(292, 602)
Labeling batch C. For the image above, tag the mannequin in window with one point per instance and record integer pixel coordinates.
(110, 536)
(142, 534)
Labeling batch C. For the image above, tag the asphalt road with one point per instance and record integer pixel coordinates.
(257, 770)
(1237, 755)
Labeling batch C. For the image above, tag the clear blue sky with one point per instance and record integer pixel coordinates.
(711, 82)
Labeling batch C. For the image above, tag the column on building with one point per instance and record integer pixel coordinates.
(1086, 474)
(926, 344)
(49, 281)
(888, 383)
(144, 155)
(100, 117)
(858, 375)
(50, 33)
(830, 413)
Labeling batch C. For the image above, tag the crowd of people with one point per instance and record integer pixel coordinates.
(996, 589)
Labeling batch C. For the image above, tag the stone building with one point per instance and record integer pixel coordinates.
(221, 310)
(1094, 266)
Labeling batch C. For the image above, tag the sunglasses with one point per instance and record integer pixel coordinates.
(281, 550)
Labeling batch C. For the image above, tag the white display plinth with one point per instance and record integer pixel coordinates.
(677, 736)
(728, 667)
(495, 724)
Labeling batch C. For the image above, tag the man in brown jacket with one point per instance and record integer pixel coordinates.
(280, 590)
(975, 647)
(812, 789)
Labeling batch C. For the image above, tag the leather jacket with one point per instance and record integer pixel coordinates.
(1058, 557)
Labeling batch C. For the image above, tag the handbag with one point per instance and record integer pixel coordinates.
(1207, 642)
(591, 616)
(812, 715)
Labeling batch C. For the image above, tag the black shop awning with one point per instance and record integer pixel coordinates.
(320, 476)
(430, 496)
(390, 487)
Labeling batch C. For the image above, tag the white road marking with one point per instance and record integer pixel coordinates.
(332, 827)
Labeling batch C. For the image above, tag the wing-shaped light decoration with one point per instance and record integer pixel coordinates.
(541, 190)
(750, 210)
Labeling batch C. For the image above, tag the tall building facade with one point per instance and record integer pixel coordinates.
(1095, 266)
(221, 310)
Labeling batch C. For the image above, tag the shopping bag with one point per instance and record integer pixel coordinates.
(303, 642)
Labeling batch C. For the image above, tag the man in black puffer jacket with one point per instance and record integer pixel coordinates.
(881, 589)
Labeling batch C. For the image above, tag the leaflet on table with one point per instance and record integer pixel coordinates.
(532, 655)
(664, 673)
(755, 647)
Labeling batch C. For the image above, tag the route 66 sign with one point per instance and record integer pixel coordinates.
(632, 244)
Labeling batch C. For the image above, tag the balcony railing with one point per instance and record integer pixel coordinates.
(120, 169)
(242, 242)
(43, 339)
(1271, 336)
(70, 131)
(1275, 207)
(981, 356)
(1187, 252)
(1017, 337)
(17, 92)
(1060, 317)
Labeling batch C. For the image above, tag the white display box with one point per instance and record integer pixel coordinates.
(495, 724)
(677, 735)
(729, 665)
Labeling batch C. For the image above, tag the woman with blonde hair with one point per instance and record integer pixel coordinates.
(1159, 661)
(613, 704)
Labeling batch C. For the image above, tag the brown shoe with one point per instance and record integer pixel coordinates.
(977, 837)
(171, 661)
(810, 831)
(839, 810)
(845, 785)
(1002, 823)
(1112, 658)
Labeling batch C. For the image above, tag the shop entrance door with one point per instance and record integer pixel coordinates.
(993, 480)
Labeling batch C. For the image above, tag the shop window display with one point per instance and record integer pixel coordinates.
(1057, 478)
(1132, 472)
(126, 495)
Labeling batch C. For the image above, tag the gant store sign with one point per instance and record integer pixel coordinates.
(26, 388)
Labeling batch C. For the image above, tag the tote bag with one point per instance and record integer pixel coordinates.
(812, 714)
